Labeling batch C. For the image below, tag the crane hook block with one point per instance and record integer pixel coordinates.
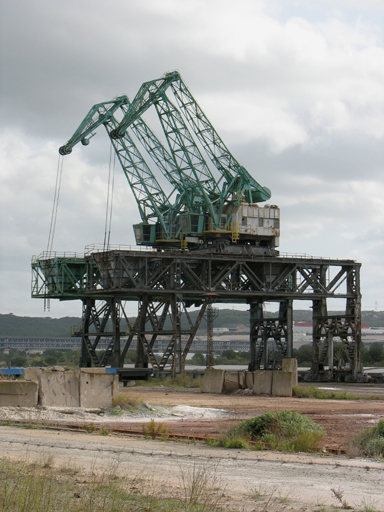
(64, 150)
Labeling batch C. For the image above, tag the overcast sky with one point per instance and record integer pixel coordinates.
(294, 88)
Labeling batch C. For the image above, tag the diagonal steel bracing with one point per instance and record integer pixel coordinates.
(166, 284)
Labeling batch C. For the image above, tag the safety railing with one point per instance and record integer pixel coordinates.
(50, 255)
(89, 249)
(304, 256)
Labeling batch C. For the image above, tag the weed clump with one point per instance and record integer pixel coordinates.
(232, 440)
(152, 430)
(183, 380)
(126, 402)
(286, 430)
(370, 443)
(321, 394)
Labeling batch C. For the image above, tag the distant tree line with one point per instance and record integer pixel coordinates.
(50, 357)
(36, 327)
(372, 355)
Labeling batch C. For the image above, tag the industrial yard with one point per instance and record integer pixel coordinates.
(190, 418)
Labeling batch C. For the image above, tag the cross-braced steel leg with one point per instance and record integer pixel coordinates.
(341, 363)
(257, 338)
(94, 330)
(271, 339)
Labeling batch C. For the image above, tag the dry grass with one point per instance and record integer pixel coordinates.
(183, 380)
(126, 402)
(38, 487)
(321, 394)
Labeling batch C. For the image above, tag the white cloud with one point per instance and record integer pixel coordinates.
(264, 118)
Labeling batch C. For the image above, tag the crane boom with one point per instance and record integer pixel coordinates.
(97, 115)
(237, 179)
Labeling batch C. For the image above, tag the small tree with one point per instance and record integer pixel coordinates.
(198, 359)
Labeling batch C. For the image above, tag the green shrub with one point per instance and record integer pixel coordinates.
(370, 443)
(286, 430)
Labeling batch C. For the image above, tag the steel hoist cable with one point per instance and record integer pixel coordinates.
(56, 198)
(109, 208)
(52, 227)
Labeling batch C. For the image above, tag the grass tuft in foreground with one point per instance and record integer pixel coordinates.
(369, 443)
(286, 430)
(36, 488)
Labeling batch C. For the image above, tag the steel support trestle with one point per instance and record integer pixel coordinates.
(166, 284)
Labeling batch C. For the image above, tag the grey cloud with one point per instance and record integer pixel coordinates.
(58, 59)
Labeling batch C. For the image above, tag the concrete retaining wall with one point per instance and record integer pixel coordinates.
(59, 389)
(98, 389)
(262, 384)
(18, 393)
(282, 383)
(32, 374)
(233, 381)
(213, 381)
(249, 379)
(289, 364)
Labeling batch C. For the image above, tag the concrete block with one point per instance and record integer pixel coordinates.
(213, 381)
(233, 381)
(59, 389)
(32, 374)
(249, 379)
(18, 393)
(289, 364)
(282, 383)
(262, 382)
(98, 390)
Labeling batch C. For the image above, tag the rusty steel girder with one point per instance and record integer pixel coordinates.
(167, 284)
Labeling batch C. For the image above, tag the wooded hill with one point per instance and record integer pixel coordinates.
(34, 327)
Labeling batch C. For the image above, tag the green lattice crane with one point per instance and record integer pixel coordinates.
(212, 202)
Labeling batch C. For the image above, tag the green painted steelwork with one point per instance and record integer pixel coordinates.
(61, 277)
(234, 179)
(194, 189)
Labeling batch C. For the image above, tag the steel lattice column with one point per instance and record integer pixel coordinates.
(115, 317)
(141, 355)
(278, 330)
(257, 341)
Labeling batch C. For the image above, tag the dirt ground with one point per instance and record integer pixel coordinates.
(246, 480)
(190, 414)
(342, 419)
